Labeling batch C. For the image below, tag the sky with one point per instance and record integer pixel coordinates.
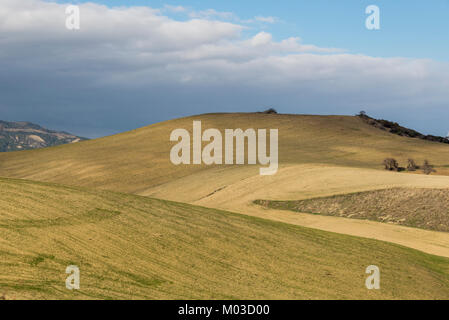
(137, 62)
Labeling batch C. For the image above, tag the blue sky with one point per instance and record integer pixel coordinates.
(138, 62)
(413, 28)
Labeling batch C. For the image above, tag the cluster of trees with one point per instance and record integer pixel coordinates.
(392, 165)
(395, 128)
(270, 111)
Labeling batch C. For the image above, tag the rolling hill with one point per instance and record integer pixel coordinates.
(178, 248)
(319, 156)
(137, 160)
(133, 247)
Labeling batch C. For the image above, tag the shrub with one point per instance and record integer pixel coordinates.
(427, 168)
(391, 164)
(362, 114)
(270, 111)
(412, 166)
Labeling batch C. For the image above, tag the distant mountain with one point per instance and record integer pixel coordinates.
(15, 136)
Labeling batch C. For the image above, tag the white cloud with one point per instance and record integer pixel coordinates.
(175, 9)
(212, 14)
(218, 15)
(262, 38)
(265, 19)
(201, 14)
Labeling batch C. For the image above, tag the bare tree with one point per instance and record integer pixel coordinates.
(427, 168)
(391, 164)
(412, 166)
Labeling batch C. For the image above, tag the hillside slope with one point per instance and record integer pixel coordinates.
(17, 136)
(135, 247)
(236, 190)
(138, 160)
(319, 156)
(414, 207)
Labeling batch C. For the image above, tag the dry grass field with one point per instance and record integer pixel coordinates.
(102, 215)
(238, 188)
(137, 160)
(136, 247)
(414, 207)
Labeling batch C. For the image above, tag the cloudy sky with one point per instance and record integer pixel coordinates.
(137, 62)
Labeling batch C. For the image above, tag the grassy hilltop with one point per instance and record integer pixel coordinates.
(137, 160)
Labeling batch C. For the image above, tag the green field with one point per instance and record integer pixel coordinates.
(135, 247)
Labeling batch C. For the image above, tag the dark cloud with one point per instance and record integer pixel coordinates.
(131, 67)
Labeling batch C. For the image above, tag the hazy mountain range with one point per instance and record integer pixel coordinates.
(15, 136)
